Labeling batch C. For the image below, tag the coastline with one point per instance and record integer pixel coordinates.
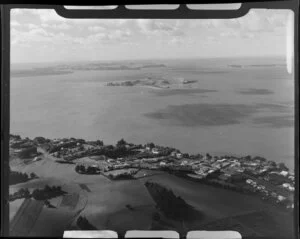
(109, 198)
(246, 174)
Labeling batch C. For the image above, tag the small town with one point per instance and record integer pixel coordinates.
(269, 180)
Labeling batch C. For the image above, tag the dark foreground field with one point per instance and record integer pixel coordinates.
(127, 205)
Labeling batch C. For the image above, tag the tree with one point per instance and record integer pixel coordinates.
(282, 166)
(208, 156)
(151, 145)
(26, 193)
(77, 168)
(33, 175)
(39, 140)
(99, 143)
(186, 155)
(121, 142)
(47, 188)
(248, 157)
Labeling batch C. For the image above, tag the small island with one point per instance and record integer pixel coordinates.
(154, 82)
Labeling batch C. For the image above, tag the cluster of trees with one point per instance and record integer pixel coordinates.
(55, 148)
(229, 186)
(96, 143)
(124, 175)
(18, 177)
(114, 152)
(47, 192)
(277, 179)
(21, 193)
(283, 167)
(28, 152)
(41, 140)
(15, 136)
(86, 170)
(22, 144)
(38, 194)
(171, 205)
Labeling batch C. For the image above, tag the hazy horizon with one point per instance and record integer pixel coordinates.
(150, 59)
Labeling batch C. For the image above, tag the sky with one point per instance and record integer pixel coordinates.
(40, 35)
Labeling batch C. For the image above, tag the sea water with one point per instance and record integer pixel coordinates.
(235, 106)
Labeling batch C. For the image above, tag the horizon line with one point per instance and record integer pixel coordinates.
(148, 59)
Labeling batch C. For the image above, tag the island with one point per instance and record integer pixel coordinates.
(155, 82)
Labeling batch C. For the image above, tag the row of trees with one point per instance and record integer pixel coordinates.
(28, 152)
(124, 175)
(86, 170)
(18, 177)
(38, 194)
(21, 193)
(171, 205)
(47, 192)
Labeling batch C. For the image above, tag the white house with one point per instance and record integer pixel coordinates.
(284, 173)
(155, 151)
(179, 155)
(281, 198)
(36, 159)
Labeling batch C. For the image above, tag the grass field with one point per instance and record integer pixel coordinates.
(26, 217)
(70, 200)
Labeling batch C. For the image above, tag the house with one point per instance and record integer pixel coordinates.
(249, 181)
(221, 160)
(281, 198)
(179, 155)
(37, 159)
(288, 186)
(155, 151)
(184, 162)
(273, 194)
(284, 173)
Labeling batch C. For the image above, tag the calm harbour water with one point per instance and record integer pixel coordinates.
(245, 110)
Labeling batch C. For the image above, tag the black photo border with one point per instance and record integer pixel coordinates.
(122, 12)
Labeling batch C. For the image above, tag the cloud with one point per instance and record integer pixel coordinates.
(60, 26)
(258, 21)
(180, 41)
(151, 26)
(14, 24)
(96, 28)
(112, 37)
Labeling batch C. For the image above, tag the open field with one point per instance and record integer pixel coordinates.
(70, 200)
(213, 202)
(25, 218)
